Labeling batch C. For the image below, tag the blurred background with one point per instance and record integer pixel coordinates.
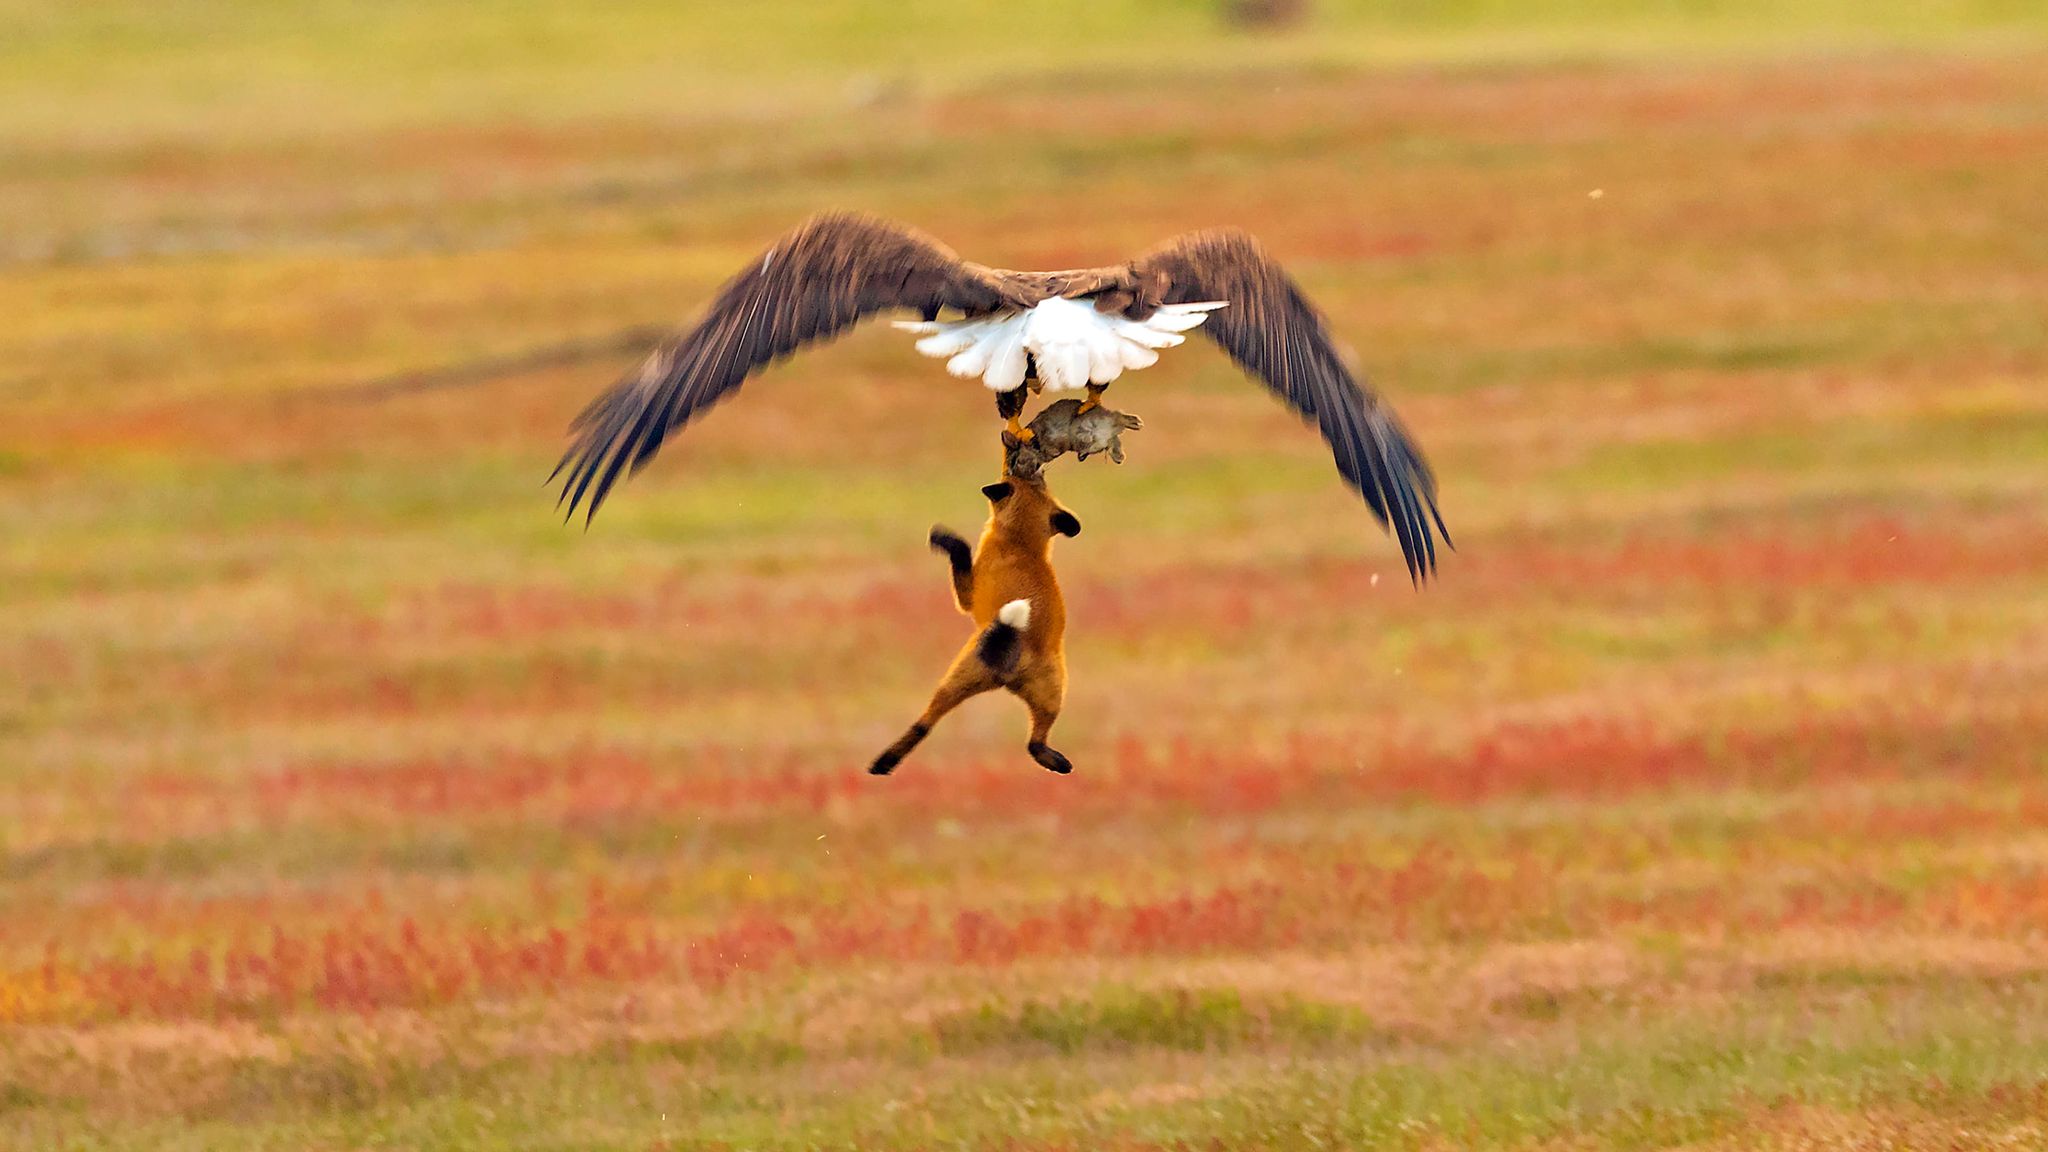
(350, 799)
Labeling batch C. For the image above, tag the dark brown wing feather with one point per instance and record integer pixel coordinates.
(1273, 332)
(815, 283)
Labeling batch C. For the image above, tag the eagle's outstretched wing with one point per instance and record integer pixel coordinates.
(813, 284)
(1273, 332)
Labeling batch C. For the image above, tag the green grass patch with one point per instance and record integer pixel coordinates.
(1186, 1019)
(1652, 1077)
(245, 68)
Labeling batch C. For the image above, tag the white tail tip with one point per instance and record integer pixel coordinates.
(1017, 614)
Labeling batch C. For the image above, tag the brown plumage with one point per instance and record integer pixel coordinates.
(837, 269)
(1005, 583)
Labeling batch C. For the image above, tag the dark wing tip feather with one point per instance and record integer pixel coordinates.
(1400, 472)
(1274, 333)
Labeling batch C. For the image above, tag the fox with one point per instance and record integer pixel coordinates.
(1005, 583)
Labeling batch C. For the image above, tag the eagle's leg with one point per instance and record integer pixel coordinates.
(1094, 398)
(1010, 405)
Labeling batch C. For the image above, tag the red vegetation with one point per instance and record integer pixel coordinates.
(1589, 757)
(1838, 554)
(1432, 896)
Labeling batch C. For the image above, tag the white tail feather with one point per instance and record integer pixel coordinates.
(1143, 337)
(1008, 363)
(1017, 614)
(1105, 361)
(973, 360)
(945, 343)
(1073, 344)
(1181, 317)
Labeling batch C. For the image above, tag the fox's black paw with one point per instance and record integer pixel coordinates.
(894, 753)
(1050, 759)
(944, 539)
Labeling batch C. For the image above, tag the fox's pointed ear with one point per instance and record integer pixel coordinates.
(996, 491)
(1066, 523)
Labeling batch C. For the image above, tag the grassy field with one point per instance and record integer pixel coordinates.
(348, 799)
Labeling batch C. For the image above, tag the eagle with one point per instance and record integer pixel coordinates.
(1019, 333)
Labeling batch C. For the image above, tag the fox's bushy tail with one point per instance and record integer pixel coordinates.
(1002, 643)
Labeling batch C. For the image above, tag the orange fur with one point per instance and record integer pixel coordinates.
(1013, 561)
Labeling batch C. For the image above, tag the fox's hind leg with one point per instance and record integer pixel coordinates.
(966, 679)
(1043, 691)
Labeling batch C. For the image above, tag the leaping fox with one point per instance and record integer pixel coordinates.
(1006, 584)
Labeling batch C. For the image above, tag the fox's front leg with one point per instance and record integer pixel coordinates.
(961, 557)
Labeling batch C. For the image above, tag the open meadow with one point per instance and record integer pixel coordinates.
(348, 799)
